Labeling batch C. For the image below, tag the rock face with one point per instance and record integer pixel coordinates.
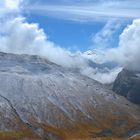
(128, 84)
(41, 100)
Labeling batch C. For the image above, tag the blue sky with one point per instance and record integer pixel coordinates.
(69, 34)
(75, 31)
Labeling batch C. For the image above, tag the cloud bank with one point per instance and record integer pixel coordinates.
(128, 52)
(19, 37)
(130, 46)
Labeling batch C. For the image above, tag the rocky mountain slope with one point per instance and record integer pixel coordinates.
(128, 84)
(41, 100)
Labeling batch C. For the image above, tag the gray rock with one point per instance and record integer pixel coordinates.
(128, 84)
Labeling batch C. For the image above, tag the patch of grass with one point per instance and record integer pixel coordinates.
(10, 135)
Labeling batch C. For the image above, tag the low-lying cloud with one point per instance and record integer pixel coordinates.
(19, 37)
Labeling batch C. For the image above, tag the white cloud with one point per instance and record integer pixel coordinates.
(105, 36)
(128, 52)
(10, 8)
(20, 37)
(105, 76)
(12, 4)
(90, 11)
(126, 55)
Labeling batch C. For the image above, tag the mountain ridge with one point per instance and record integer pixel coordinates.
(55, 103)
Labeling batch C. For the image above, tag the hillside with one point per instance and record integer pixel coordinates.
(41, 100)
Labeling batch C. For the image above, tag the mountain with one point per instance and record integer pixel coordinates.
(41, 100)
(128, 84)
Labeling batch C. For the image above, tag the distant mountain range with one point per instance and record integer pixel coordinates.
(42, 100)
